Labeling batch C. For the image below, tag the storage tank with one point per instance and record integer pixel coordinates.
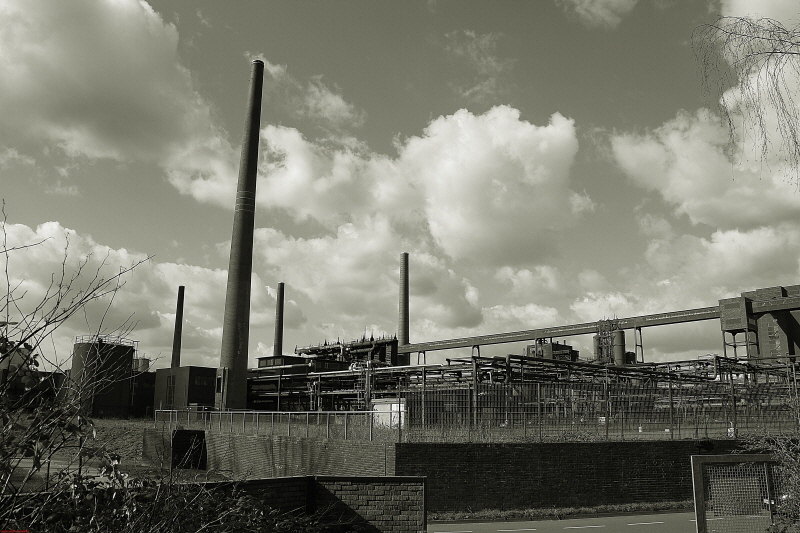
(141, 364)
(100, 374)
(618, 343)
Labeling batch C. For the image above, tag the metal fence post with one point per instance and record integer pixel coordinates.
(307, 423)
(345, 425)
(671, 411)
(370, 426)
(539, 409)
(257, 428)
(328, 425)
(288, 424)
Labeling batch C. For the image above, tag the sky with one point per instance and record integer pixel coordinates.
(543, 163)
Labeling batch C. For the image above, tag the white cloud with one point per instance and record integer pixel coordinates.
(496, 187)
(9, 156)
(479, 52)
(598, 13)
(785, 11)
(687, 162)
(104, 80)
(313, 100)
(527, 283)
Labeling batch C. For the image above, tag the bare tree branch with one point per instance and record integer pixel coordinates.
(751, 67)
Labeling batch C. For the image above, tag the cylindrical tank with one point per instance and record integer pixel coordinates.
(598, 356)
(618, 343)
(141, 364)
(100, 376)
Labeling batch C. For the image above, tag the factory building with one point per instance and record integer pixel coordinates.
(551, 350)
(184, 386)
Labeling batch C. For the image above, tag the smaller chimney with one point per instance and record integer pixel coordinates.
(176, 340)
(402, 327)
(278, 344)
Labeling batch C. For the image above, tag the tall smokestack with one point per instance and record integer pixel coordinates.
(277, 348)
(232, 373)
(402, 327)
(176, 339)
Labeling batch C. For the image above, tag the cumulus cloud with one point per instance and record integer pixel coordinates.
(688, 162)
(530, 283)
(472, 182)
(496, 187)
(352, 278)
(103, 80)
(605, 14)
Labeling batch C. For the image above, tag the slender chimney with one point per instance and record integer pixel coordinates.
(231, 392)
(176, 339)
(402, 327)
(277, 348)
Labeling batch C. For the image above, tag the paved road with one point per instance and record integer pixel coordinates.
(655, 523)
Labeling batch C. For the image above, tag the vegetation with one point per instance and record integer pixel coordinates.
(563, 512)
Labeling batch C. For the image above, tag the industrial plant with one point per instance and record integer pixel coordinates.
(548, 383)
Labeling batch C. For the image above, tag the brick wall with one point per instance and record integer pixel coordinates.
(389, 504)
(378, 504)
(287, 494)
(517, 476)
(280, 456)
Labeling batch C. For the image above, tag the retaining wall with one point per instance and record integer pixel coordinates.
(280, 456)
(476, 476)
(545, 475)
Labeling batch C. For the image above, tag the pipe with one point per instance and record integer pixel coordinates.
(277, 348)
(232, 373)
(403, 325)
(176, 339)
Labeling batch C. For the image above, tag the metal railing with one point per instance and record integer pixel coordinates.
(343, 425)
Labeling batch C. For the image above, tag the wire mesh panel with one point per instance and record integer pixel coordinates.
(734, 493)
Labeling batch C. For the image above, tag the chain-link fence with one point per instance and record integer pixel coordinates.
(527, 412)
(347, 425)
(596, 411)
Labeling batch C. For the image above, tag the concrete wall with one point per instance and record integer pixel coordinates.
(279, 456)
(537, 475)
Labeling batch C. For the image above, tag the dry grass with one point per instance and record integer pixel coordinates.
(561, 513)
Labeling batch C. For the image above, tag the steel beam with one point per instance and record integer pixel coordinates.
(660, 319)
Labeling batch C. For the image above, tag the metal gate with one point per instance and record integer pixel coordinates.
(734, 493)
